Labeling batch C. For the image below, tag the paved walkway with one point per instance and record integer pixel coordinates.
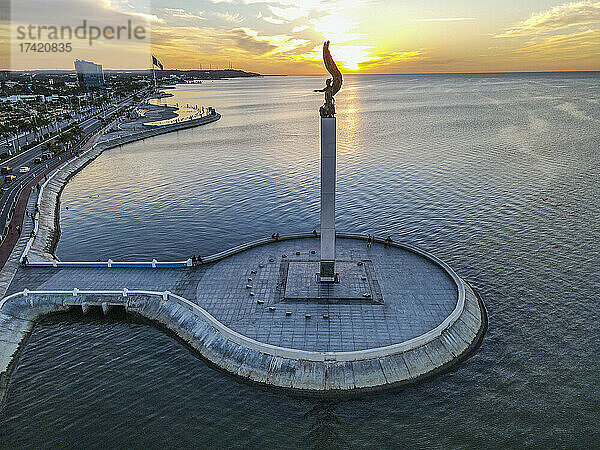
(385, 295)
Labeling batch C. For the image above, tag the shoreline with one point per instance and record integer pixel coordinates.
(43, 247)
(46, 240)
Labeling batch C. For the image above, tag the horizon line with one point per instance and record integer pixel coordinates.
(318, 74)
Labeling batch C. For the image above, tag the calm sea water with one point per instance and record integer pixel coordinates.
(497, 174)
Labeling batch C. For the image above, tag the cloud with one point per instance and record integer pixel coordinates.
(253, 42)
(575, 45)
(338, 28)
(280, 43)
(388, 59)
(229, 17)
(112, 53)
(444, 19)
(140, 9)
(289, 13)
(556, 18)
(246, 48)
(247, 40)
(356, 57)
(270, 19)
(183, 14)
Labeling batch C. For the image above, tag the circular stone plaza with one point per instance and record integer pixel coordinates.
(394, 315)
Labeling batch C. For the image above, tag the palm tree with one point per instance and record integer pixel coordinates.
(6, 130)
(76, 132)
(14, 131)
(49, 146)
(42, 122)
(19, 125)
(29, 128)
(63, 138)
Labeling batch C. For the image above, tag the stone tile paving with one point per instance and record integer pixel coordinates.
(301, 282)
(95, 279)
(417, 295)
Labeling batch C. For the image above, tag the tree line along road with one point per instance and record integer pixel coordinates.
(10, 196)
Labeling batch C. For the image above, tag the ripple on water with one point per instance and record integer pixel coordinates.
(488, 172)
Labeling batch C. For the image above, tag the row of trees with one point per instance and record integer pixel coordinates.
(20, 124)
(35, 119)
(68, 139)
(65, 141)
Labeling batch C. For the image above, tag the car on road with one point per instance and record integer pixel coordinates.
(47, 156)
(4, 170)
(24, 169)
(38, 160)
(9, 178)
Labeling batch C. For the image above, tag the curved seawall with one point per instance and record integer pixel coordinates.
(279, 367)
(46, 230)
(239, 310)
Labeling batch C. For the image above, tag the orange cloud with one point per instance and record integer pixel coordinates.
(557, 18)
(576, 45)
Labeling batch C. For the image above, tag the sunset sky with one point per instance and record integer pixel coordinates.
(368, 36)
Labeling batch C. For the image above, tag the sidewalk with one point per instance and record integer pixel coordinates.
(12, 237)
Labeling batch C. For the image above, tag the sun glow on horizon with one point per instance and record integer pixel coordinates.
(367, 36)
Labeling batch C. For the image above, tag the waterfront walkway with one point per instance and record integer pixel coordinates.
(408, 294)
(257, 308)
(20, 204)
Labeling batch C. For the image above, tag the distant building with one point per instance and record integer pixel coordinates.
(21, 97)
(89, 75)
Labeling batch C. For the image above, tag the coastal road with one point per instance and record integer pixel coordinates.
(90, 124)
(27, 157)
(20, 196)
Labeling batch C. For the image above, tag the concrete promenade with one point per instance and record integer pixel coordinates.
(397, 315)
(20, 206)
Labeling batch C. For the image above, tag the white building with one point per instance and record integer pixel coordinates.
(89, 74)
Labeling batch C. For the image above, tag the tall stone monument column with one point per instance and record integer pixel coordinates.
(328, 151)
(327, 112)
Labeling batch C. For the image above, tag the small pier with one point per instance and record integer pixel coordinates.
(394, 316)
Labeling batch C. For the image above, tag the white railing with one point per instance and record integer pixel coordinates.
(261, 347)
(154, 264)
(232, 251)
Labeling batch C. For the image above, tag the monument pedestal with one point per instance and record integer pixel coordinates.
(328, 150)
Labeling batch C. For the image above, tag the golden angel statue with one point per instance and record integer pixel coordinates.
(333, 85)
